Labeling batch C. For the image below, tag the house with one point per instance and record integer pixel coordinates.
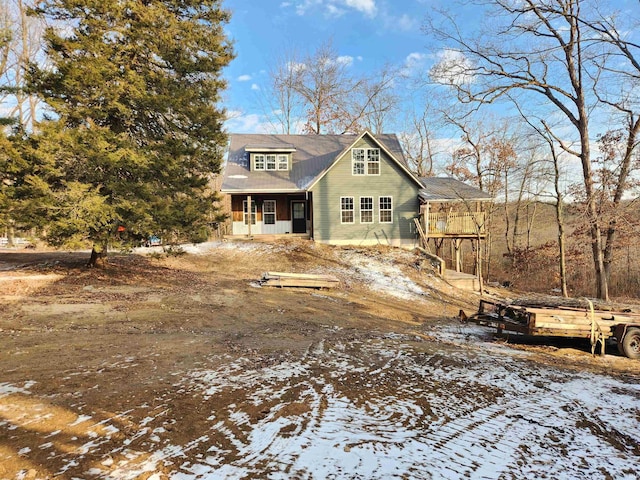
(343, 189)
(337, 189)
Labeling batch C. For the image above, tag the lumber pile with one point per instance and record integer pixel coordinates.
(281, 279)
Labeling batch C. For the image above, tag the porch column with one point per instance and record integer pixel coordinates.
(249, 212)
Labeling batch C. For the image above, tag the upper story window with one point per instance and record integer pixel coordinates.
(365, 161)
(270, 161)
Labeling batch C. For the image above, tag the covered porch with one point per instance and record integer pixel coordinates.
(271, 215)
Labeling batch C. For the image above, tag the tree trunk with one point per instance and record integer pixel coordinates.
(98, 256)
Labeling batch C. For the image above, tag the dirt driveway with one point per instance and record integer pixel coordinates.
(184, 367)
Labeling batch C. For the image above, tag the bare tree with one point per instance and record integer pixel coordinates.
(283, 101)
(318, 93)
(546, 49)
(22, 37)
(420, 140)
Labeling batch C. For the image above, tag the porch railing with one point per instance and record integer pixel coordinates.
(456, 223)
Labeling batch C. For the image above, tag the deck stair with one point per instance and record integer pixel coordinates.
(461, 280)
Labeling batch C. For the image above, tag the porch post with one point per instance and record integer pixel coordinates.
(249, 212)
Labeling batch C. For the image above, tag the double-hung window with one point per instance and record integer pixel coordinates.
(366, 209)
(269, 212)
(346, 210)
(245, 212)
(271, 162)
(258, 162)
(358, 161)
(283, 162)
(373, 161)
(385, 209)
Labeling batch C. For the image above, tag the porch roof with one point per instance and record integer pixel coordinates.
(447, 189)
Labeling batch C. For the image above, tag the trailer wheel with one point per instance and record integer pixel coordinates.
(631, 343)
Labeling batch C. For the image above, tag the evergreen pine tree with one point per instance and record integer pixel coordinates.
(136, 131)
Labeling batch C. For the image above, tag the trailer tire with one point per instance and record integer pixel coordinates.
(631, 343)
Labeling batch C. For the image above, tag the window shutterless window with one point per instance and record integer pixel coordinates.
(385, 209)
(258, 162)
(271, 162)
(245, 212)
(366, 209)
(283, 162)
(357, 161)
(346, 210)
(365, 161)
(269, 212)
(373, 161)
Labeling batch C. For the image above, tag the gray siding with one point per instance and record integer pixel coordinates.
(339, 182)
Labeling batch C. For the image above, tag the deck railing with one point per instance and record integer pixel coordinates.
(456, 223)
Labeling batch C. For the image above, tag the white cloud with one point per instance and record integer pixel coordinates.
(244, 78)
(452, 68)
(335, 11)
(406, 23)
(346, 60)
(252, 123)
(413, 63)
(368, 7)
(334, 8)
(254, 86)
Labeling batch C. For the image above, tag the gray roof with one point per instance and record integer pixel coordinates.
(447, 189)
(314, 154)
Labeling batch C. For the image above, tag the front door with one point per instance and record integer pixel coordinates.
(299, 217)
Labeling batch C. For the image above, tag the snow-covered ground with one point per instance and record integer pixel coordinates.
(383, 407)
(443, 403)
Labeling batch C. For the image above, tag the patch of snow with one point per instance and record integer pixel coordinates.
(382, 276)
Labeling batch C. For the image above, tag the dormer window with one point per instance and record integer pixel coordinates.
(365, 161)
(270, 158)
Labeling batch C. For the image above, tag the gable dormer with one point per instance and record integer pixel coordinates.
(270, 158)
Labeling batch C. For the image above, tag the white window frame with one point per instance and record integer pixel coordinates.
(270, 161)
(245, 212)
(373, 159)
(283, 162)
(343, 211)
(259, 161)
(364, 161)
(364, 210)
(358, 164)
(266, 213)
(381, 210)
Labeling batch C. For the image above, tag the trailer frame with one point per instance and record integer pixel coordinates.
(560, 321)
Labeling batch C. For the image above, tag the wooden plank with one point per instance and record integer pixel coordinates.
(299, 275)
(284, 279)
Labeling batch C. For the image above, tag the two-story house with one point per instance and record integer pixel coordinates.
(337, 189)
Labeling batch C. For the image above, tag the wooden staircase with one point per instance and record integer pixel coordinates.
(463, 281)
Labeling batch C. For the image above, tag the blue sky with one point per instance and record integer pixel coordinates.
(367, 33)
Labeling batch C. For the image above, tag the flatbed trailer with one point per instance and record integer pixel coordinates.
(558, 321)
